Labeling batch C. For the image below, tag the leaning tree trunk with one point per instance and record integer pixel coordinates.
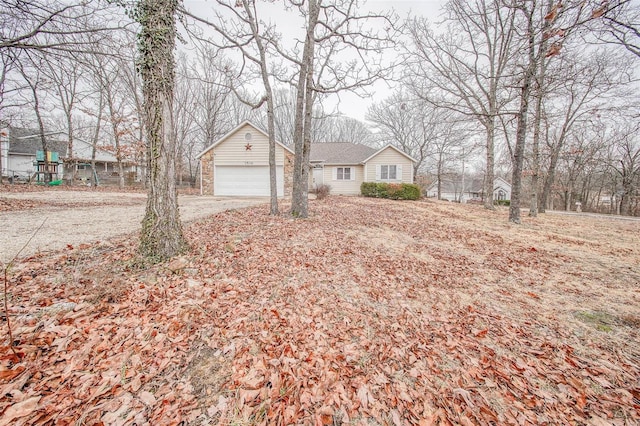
(161, 236)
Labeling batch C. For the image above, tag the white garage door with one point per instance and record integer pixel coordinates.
(245, 181)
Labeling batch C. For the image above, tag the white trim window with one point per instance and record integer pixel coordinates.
(388, 172)
(344, 173)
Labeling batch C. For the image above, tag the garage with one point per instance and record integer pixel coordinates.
(250, 181)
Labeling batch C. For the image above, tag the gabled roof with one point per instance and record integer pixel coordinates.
(477, 185)
(473, 185)
(28, 141)
(448, 186)
(234, 130)
(392, 147)
(339, 153)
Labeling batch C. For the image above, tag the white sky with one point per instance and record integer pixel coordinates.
(346, 103)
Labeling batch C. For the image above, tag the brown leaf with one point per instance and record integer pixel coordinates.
(465, 395)
(148, 398)
(19, 410)
(552, 14)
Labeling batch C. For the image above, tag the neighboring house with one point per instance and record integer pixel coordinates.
(19, 148)
(344, 166)
(237, 165)
(452, 190)
(78, 167)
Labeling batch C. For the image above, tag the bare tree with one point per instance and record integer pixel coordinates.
(55, 26)
(619, 24)
(464, 68)
(398, 120)
(35, 80)
(65, 74)
(625, 161)
(428, 133)
(342, 129)
(585, 85)
(331, 29)
(251, 36)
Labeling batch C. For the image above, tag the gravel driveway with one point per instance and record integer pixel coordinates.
(95, 216)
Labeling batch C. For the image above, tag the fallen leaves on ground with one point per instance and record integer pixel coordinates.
(368, 312)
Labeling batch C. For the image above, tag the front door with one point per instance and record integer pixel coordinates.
(317, 176)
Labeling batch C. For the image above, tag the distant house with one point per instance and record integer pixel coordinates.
(22, 154)
(453, 190)
(237, 165)
(450, 190)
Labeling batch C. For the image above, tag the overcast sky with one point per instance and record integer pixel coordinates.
(347, 103)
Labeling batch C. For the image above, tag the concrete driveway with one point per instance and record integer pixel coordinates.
(76, 217)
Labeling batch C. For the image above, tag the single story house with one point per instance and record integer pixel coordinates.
(19, 148)
(344, 166)
(237, 165)
(452, 189)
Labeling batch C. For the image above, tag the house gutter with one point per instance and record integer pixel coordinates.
(201, 192)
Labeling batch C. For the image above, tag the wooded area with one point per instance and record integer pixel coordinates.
(542, 93)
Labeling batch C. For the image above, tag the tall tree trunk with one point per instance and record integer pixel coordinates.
(70, 145)
(548, 182)
(161, 236)
(521, 131)
(94, 143)
(271, 128)
(43, 139)
(535, 176)
(439, 177)
(302, 126)
(489, 176)
(540, 82)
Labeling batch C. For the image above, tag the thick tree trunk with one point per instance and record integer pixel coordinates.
(161, 236)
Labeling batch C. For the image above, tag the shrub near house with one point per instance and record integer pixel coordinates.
(393, 191)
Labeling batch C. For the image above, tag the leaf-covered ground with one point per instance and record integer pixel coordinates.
(370, 312)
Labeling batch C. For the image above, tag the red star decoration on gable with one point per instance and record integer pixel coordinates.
(248, 147)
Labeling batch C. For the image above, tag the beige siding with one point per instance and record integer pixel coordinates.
(344, 187)
(390, 157)
(233, 151)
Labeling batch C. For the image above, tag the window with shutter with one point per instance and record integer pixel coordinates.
(344, 173)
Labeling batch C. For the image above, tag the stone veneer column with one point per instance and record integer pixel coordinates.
(288, 173)
(207, 173)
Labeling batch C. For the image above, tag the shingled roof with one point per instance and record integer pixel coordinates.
(339, 153)
(27, 141)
